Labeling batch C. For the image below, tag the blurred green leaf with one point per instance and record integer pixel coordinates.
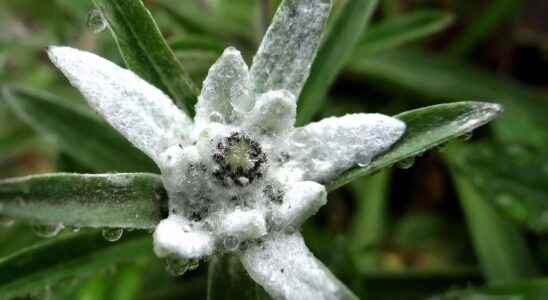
(399, 30)
(71, 256)
(431, 77)
(227, 279)
(426, 128)
(478, 30)
(135, 200)
(369, 221)
(518, 187)
(15, 141)
(77, 132)
(94, 288)
(196, 42)
(145, 51)
(536, 289)
(334, 52)
(127, 283)
(500, 248)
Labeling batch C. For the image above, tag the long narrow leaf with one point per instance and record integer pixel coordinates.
(501, 249)
(333, 54)
(426, 128)
(76, 255)
(145, 51)
(134, 200)
(399, 30)
(414, 71)
(77, 132)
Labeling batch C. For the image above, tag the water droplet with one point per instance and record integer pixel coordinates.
(231, 243)
(176, 266)
(96, 21)
(290, 229)
(441, 147)
(112, 234)
(216, 117)
(47, 231)
(466, 137)
(406, 163)
(241, 101)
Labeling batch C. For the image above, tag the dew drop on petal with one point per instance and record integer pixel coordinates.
(177, 266)
(216, 117)
(47, 231)
(231, 243)
(96, 22)
(406, 163)
(112, 234)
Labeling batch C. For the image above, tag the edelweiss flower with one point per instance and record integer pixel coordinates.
(241, 178)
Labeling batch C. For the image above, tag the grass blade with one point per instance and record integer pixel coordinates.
(76, 255)
(333, 54)
(77, 132)
(227, 279)
(413, 71)
(145, 51)
(426, 128)
(501, 249)
(135, 200)
(400, 30)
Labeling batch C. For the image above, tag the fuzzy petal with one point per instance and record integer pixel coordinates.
(274, 113)
(226, 90)
(138, 110)
(243, 224)
(286, 269)
(303, 200)
(288, 49)
(325, 149)
(174, 235)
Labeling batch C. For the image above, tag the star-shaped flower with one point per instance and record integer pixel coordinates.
(241, 178)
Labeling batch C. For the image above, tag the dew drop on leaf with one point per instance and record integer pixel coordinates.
(47, 231)
(112, 234)
(466, 137)
(96, 21)
(177, 266)
(406, 163)
(231, 243)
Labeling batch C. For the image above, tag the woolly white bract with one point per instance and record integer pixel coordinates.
(241, 178)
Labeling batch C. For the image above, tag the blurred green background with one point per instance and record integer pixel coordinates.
(466, 221)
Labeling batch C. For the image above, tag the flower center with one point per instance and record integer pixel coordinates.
(240, 160)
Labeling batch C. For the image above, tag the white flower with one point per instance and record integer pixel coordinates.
(241, 178)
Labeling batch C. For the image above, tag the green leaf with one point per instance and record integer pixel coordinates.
(518, 187)
(426, 128)
(333, 55)
(135, 200)
(145, 51)
(399, 30)
(227, 279)
(77, 132)
(75, 255)
(413, 72)
(500, 248)
(196, 42)
(369, 221)
(483, 25)
(536, 289)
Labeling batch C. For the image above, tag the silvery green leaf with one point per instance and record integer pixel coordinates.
(133, 200)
